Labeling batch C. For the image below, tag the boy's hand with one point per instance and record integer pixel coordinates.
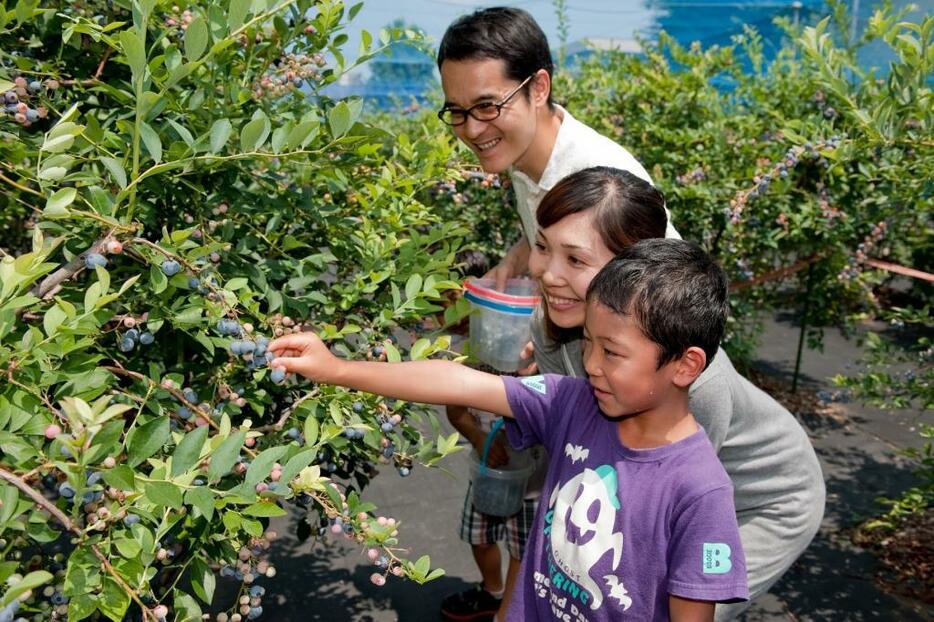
(304, 354)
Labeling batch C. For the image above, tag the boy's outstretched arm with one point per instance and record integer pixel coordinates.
(430, 382)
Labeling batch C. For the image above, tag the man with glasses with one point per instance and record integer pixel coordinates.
(496, 72)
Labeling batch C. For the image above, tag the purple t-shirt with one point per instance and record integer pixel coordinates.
(618, 529)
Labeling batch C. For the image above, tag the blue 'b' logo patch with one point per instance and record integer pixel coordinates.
(717, 558)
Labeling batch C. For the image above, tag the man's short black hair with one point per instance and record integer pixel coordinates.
(673, 290)
(499, 33)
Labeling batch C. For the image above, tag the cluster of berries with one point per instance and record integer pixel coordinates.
(16, 100)
(858, 259)
(8, 613)
(762, 182)
(290, 73)
(131, 337)
(691, 177)
(820, 100)
(178, 20)
(249, 567)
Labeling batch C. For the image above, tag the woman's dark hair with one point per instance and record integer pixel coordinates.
(499, 33)
(626, 209)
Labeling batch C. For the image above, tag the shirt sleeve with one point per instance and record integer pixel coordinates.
(537, 409)
(711, 403)
(706, 560)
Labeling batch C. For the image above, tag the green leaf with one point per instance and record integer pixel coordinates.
(311, 429)
(57, 204)
(134, 48)
(31, 581)
(296, 463)
(202, 499)
(196, 38)
(220, 133)
(114, 600)
(237, 13)
(164, 493)
(302, 134)
(147, 440)
(261, 466)
(340, 119)
(53, 319)
(254, 133)
(203, 580)
(188, 451)
(151, 140)
(115, 168)
(226, 456)
(264, 509)
(413, 286)
(419, 348)
(120, 477)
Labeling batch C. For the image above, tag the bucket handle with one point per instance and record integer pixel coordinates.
(488, 442)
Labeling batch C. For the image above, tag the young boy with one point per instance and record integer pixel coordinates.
(638, 520)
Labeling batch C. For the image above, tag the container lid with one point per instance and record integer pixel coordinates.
(483, 289)
(498, 306)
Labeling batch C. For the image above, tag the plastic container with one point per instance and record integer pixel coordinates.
(499, 491)
(500, 321)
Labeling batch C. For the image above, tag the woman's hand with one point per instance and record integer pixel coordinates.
(305, 354)
(528, 354)
(515, 263)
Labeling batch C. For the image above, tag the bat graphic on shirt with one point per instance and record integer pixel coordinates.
(618, 591)
(576, 452)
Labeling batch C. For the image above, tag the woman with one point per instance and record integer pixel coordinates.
(585, 220)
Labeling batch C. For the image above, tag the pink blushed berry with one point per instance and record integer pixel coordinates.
(377, 579)
(161, 611)
(110, 462)
(337, 529)
(373, 554)
(52, 430)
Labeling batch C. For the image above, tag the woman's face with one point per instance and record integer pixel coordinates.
(565, 258)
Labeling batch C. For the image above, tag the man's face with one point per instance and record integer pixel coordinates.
(621, 363)
(504, 141)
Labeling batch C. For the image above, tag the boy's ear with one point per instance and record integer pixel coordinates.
(689, 366)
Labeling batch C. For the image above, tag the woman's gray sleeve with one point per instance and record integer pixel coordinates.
(547, 356)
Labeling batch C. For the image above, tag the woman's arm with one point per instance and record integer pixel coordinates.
(430, 382)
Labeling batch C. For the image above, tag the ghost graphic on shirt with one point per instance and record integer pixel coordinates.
(577, 542)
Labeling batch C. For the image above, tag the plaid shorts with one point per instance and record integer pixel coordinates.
(477, 528)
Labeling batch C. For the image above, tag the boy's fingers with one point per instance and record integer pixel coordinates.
(295, 342)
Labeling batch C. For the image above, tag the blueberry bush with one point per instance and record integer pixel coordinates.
(177, 191)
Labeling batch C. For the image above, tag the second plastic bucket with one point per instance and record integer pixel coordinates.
(500, 321)
(499, 491)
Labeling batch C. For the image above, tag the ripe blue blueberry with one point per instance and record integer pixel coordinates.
(130, 519)
(94, 478)
(193, 283)
(34, 86)
(11, 97)
(59, 599)
(93, 260)
(66, 490)
(386, 427)
(147, 338)
(404, 471)
(257, 590)
(277, 375)
(132, 334)
(255, 612)
(126, 344)
(184, 412)
(358, 407)
(32, 115)
(190, 394)
(170, 267)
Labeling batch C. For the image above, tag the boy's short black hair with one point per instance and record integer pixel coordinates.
(499, 33)
(672, 289)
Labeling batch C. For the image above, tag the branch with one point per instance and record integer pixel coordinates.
(60, 516)
(51, 284)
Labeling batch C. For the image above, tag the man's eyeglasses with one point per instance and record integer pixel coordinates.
(484, 111)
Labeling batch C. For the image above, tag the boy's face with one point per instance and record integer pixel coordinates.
(621, 363)
(504, 141)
